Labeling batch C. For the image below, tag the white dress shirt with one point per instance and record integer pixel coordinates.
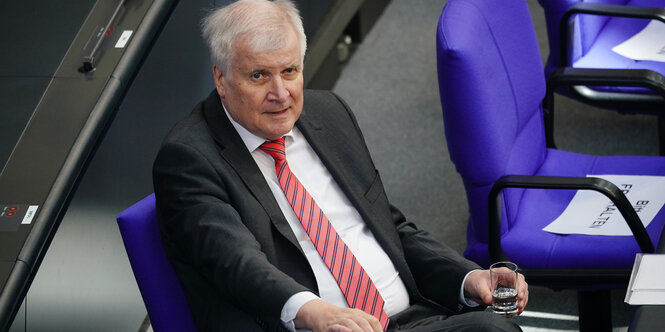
(318, 182)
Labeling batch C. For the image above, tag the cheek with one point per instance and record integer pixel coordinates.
(251, 99)
(296, 91)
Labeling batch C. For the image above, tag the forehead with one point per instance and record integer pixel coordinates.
(277, 60)
(247, 55)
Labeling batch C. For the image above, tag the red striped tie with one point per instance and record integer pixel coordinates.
(359, 290)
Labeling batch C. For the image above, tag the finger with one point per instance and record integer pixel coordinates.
(525, 300)
(362, 324)
(366, 326)
(350, 325)
(487, 299)
(523, 286)
(376, 325)
(524, 292)
(521, 304)
(339, 328)
(368, 322)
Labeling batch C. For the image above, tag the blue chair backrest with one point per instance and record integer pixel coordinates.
(157, 281)
(491, 84)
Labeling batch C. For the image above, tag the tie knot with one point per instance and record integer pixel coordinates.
(274, 148)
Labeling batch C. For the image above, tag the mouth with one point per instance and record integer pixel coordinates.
(277, 112)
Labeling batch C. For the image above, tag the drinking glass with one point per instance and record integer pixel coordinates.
(503, 276)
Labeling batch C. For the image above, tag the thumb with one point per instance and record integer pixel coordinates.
(486, 297)
(484, 292)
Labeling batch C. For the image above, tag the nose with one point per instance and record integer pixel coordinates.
(278, 91)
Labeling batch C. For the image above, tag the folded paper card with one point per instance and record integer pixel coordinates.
(647, 281)
(648, 44)
(592, 213)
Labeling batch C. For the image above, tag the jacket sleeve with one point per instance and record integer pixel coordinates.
(437, 269)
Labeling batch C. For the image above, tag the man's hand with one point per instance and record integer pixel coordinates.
(477, 288)
(320, 316)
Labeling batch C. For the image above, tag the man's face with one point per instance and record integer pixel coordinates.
(263, 91)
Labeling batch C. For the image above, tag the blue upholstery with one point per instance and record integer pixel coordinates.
(159, 286)
(492, 83)
(594, 37)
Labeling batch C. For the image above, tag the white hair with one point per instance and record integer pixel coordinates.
(262, 24)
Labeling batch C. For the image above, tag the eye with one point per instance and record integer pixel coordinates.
(290, 72)
(257, 76)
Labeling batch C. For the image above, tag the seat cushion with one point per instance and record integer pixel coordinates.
(528, 245)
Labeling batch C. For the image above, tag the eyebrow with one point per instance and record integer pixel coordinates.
(296, 65)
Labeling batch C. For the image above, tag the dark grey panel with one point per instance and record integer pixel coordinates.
(66, 126)
(38, 158)
(5, 269)
(48, 138)
(175, 76)
(36, 34)
(18, 98)
(86, 271)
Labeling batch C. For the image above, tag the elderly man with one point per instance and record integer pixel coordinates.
(272, 211)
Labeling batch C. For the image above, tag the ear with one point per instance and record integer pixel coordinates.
(220, 81)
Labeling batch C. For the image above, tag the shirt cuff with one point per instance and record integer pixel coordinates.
(462, 299)
(291, 307)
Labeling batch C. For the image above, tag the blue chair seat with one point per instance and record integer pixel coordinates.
(525, 241)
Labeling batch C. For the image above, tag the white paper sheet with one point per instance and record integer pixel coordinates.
(647, 281)
(648, 44)
(592, 213)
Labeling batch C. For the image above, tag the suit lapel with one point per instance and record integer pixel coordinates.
(234, 151)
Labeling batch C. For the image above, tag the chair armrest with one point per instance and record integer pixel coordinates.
(556, 182)
(569, 76)
(604, 10)
(645, 78)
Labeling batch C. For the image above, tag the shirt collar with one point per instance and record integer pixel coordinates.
(251, 141)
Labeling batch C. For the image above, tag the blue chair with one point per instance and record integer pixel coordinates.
(159, 286)
(581, 34)
(492, 86)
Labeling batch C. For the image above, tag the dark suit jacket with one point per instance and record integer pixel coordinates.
(232, 248)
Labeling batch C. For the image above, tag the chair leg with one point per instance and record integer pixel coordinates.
(595, 310)
(661, 134)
